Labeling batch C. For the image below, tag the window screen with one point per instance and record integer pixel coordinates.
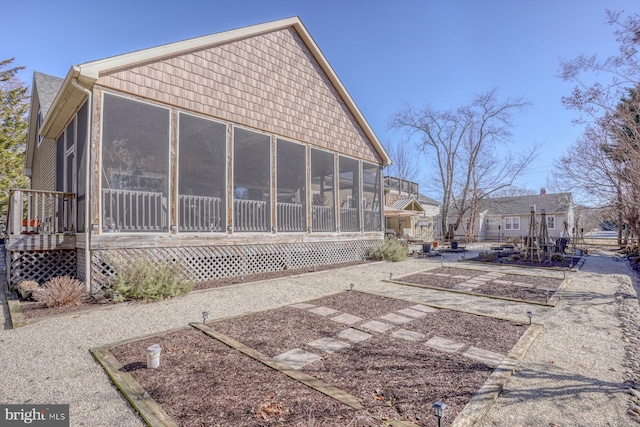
(82, 166)
(292, 194)
(371, 196)
(202, 174)
(135, 165)
(251, 180)
(349, 184)
(322, 191)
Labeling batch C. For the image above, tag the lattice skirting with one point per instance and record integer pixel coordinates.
(213, 262)
(41, 266)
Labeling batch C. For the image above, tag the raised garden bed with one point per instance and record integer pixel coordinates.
(204, 382)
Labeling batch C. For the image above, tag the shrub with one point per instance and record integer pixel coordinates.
(60, 291)
(139, 280)
(488, 256)
(28, 285)
(557, 257)
(391, 250)
(515, 257)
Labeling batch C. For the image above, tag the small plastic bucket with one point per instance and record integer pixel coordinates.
(153, 356)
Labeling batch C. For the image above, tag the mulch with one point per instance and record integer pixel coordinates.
(203, 382)
(541, 290)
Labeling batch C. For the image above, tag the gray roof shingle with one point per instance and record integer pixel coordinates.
(518, 205)
(47, 87)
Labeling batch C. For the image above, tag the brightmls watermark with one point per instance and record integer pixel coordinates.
(34, 415)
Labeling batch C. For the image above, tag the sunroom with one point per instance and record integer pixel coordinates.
(232, 154)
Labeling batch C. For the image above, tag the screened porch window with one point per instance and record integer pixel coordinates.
(322, 191)
(349, 184)
(135, 165)
(371, 194)
(251, 180)
(202, 172)
(292, 193)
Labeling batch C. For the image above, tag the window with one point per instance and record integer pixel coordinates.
(135, 165)
(512, 223)
(349, 186)
(292, 192)
(371, 194)
(202, 174)
(322, 182)
(39, 126)
(551, 222)
(251, 180)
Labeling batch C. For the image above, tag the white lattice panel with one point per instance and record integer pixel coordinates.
(41, 266)
(213, 262)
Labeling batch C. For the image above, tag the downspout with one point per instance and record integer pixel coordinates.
(87, 186)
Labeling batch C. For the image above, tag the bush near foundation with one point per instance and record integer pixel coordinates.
(391, 250)
(141, 281)
(60, 291)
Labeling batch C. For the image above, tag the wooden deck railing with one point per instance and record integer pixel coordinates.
(349, 219)
(132, 210)
(323, 218)
(250, 215)
(199, 213)
(40, 212)
(291, 217)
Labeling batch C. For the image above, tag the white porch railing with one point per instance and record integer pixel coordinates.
(132, 210)
(199, 213)
(291, 217)
(349, 219)
(250, 215)
(40, 212)
(372, 220)
(323, 218)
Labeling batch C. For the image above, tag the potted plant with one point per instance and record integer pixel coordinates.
(26, 287)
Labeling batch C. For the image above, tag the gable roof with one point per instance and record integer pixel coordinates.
(408, 203)
(69, 98)
(521, 205)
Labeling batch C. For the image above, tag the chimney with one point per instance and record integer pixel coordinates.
(543, 191)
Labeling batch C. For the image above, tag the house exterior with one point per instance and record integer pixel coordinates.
(234, 153)
(407, 212)
(509, 218)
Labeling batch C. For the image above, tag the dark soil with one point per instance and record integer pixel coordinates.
(203, 382)
(541, 288)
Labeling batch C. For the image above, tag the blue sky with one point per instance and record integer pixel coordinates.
(387, 53)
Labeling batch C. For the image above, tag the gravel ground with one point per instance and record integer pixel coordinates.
(576, 373)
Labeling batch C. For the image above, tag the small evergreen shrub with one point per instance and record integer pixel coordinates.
(391, 250)
(140, 281)
(60, 291)
(515, 257)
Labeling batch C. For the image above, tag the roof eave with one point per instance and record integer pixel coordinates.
(68, 99)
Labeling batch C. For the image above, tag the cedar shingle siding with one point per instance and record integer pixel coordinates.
(270, 82)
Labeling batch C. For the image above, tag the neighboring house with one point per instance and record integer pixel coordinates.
(233, 154)
(407, 212)
(509, 218)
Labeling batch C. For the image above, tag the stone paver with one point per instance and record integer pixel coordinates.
(396, 318)
(424, 308)
(354, 335)
(302, 306)
(405, 334)
(376, 326)
(461, 277)
(323, 311)
(330, 345)
(503, 282)
(464, 287)
(444, 344)
(297, 358)
(347, 319)
(412, 313)
(485, 356)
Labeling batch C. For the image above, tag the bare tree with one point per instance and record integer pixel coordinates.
(405, 163)
(463, 146)
(611, 108)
